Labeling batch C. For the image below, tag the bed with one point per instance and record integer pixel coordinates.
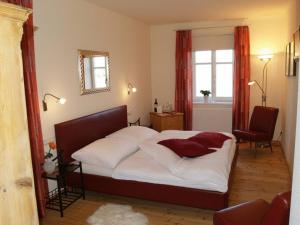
(76, 134)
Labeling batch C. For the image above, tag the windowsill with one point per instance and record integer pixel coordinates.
(227, 104)
(213, 103)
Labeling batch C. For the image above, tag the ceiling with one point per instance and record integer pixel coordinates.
(177, 11)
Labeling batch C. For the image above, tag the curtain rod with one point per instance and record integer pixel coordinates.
(203, 28)
(212, 35)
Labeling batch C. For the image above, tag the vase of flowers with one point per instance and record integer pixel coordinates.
(206, 94)
(49, 165)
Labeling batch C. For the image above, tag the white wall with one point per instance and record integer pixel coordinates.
(292, 91)
(212, 117)
(163, 41)
(68, 25)
(289, 100)
(295, 207)
(269, 33)
(265, 33)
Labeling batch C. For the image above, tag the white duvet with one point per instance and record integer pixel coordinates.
(154, 163)
(157, 164)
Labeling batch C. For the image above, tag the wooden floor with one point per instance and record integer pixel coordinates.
(253, 178)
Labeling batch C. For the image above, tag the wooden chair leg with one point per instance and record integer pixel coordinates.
(237, 144)
(270, 144)
(255, 149)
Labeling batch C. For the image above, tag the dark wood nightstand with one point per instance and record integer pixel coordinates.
(166, 121)
(63, 196)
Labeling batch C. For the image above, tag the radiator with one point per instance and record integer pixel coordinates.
(212, 118)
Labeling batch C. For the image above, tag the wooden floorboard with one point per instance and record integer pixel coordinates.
(260, 177)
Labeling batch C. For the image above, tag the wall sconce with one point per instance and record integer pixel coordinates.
(58, 100)
(131, 88)
(263, 94)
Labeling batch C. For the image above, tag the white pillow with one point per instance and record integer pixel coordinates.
(106, 151)
(135, 133)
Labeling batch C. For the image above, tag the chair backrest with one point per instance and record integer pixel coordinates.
(263, 119)
(279, 211)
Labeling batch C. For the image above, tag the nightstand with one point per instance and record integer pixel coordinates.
(63, 196)
(166, 121)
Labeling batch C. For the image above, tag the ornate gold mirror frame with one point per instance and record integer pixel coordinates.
(93, 71)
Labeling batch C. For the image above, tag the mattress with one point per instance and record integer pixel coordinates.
(99, 170)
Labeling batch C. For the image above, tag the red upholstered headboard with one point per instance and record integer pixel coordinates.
(77, 133)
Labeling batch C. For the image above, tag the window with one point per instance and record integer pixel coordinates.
(99, 71)
(213, 71)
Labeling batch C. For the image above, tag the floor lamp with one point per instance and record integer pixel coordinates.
(263, 87)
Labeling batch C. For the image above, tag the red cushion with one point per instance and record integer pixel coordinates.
(249, 213)
(210, 139)
(185, 147)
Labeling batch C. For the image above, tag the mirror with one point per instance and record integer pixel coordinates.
(93, 71)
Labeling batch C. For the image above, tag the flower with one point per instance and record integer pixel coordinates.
(52, 145)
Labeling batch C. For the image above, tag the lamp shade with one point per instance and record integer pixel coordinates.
(265, 57)
(131, 88)
(62, 101)
(252, 82)
(58, 100)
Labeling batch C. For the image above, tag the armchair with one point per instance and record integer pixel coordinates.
(257, 212)
(261, 128)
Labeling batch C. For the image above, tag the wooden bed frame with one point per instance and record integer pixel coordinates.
(75, 134)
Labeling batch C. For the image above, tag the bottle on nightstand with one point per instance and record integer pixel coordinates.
(155, 105)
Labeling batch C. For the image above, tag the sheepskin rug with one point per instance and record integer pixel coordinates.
(112, 214)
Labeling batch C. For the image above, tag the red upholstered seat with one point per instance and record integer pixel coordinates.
(262, 126)
(278, 213)
(251, 135)
(257, 212)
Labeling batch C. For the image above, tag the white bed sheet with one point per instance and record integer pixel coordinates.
(141, 167)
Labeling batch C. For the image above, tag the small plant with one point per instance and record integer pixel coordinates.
(52, 147)
(205, 92)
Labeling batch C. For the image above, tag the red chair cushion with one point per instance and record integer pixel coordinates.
(279, 211)
(210, 139)
(186, 148)
(250, 135)
(257, 212)
(264, 119)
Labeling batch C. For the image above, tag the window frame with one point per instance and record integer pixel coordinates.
(213, 63)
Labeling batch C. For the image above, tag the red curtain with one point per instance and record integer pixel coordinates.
(32, 103)
(241, 92)
(183, 91)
